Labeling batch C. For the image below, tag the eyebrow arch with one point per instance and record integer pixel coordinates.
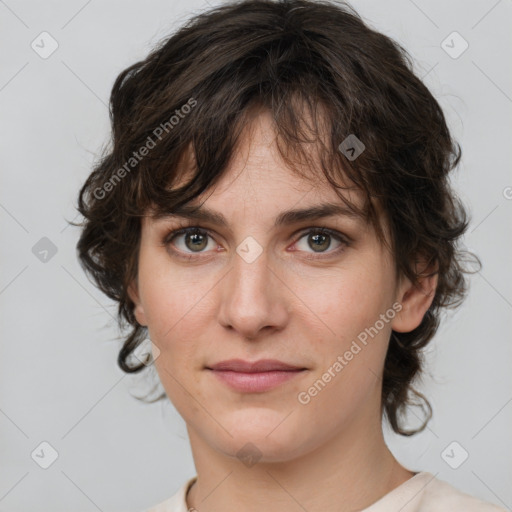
(203, 213)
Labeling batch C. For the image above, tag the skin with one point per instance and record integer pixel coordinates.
(329, 454)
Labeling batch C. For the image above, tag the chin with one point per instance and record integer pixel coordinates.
(263, 435)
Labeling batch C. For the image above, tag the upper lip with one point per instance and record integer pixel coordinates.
(263, 365)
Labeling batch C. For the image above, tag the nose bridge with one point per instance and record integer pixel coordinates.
(250, 300)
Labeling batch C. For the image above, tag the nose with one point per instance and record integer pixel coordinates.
(253, 298)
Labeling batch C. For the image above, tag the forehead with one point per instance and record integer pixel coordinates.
(258, 176)
(257, 163)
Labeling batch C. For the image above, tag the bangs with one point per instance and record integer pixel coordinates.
(305, 137)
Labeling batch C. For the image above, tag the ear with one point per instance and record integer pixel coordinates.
(415, 299)
(138, 311)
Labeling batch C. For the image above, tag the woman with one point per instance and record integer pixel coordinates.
(275, 221)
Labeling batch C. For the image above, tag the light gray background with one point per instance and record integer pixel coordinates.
(59, 379)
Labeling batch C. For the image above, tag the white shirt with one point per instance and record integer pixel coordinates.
(421, 493)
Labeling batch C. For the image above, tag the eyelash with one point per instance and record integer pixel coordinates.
(184, 229)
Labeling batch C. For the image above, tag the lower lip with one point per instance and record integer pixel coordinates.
(255, 382)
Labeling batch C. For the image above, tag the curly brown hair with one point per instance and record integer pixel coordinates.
(193, 94)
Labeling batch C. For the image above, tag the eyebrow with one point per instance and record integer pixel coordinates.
(204, 214)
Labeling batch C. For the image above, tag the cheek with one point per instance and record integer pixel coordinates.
(178, 309)
(342, 310)
(168, 293)
(346, 301)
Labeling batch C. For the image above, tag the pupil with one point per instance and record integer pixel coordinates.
(197, 239)
(316, 238)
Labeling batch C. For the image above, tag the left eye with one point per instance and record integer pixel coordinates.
(319, 240)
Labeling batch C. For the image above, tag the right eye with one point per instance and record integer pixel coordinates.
(190, 240)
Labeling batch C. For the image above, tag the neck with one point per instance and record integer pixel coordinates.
(351, 471)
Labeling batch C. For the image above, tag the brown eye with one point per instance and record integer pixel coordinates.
(189, 240)
(196, 241)
(320, 240)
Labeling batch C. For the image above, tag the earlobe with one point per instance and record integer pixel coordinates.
(138, 309)
(415, 301)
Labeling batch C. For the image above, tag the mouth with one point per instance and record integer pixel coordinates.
(254, 377)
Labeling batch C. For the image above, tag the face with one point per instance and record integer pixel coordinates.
(253, 289)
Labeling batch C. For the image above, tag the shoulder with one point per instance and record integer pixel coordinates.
(439, 496)
(422, 493)
(177, 502)
(426, 493)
